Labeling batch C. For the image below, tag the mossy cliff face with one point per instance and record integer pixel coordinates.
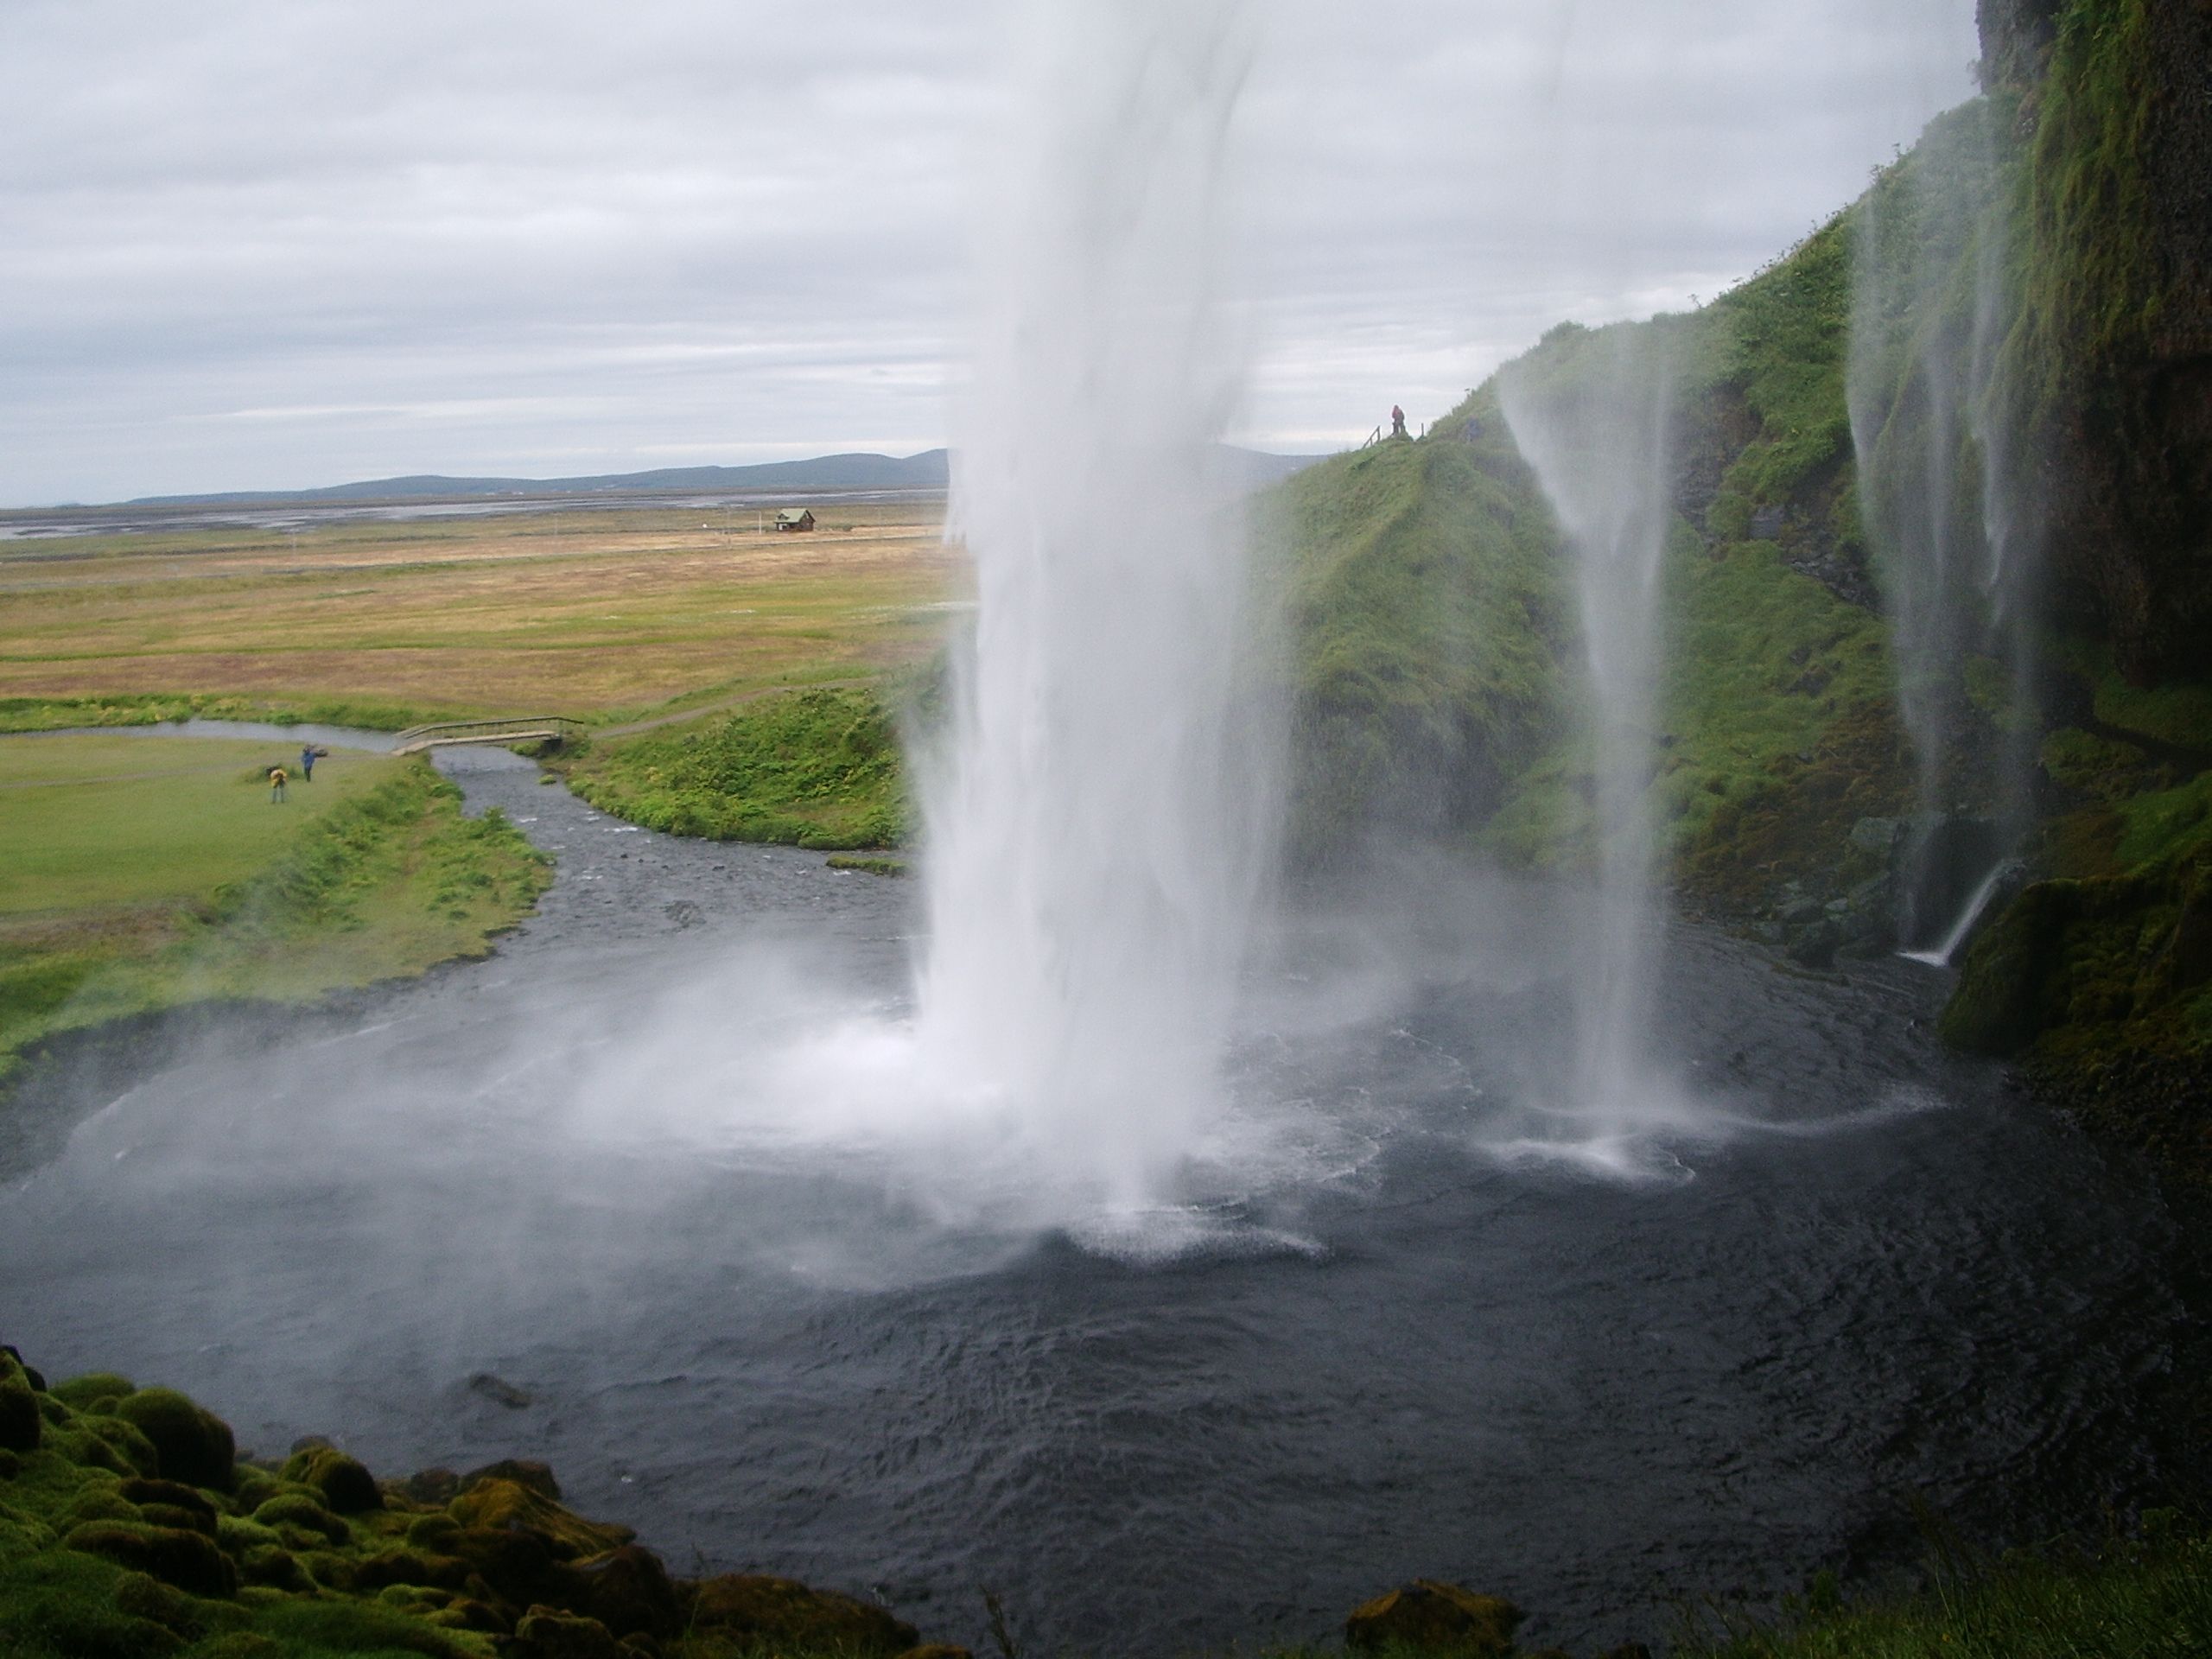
(2097, 974)
(2114, 354)
(2055, 240)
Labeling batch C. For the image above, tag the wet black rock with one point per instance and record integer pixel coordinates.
(1814, 945)
(497, 1390)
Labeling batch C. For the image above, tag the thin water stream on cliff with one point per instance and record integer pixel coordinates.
(1364, 1340)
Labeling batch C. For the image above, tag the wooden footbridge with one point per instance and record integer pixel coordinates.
(515, 729)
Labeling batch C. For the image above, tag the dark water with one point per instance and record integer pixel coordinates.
(1376, 1342)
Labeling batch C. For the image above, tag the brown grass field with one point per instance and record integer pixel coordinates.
(606, 614)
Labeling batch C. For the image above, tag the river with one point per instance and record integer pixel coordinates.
(1390, 1333)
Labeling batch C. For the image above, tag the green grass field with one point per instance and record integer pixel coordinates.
(137, 873)
(603, 615)
(110, 823)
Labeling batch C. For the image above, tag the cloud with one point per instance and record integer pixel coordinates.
(500, 235)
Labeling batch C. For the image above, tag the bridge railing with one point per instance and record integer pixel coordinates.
(517, 728)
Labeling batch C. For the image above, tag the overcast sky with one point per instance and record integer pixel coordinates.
(269, 244)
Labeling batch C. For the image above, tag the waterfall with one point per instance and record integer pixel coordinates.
(1591, 414)
(1098, 831)
(1944, 495)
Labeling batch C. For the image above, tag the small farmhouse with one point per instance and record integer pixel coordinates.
(795, 518)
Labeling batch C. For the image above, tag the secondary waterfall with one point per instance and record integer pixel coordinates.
(1098, 832)
(1945, 499)
(1591, 414)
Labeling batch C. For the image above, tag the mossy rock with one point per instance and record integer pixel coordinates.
(271, 1567)
(238, 1645)
(299, 1510)
(94, 1391)
(508, 1506)
(176, 1515)
(431, 1532)
(187, 1559)
(235, 1535)
(23, 1534)
(532, 1472)
(101, 1503)
(169, 1494)
(193, 1617)
(318, 1625)
(551, 1633)
(23, 1426)
(394, 1568)
(346, 1485)
(468, 1613)
(193, 1445)
(119, 1444)
(60, 1602)
(757, 1610)
(1442, 1618)
(629, 1591)
(252, 1487)
(519, 1568)
(10, 1356)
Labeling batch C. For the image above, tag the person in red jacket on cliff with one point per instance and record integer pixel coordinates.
(1397, 422)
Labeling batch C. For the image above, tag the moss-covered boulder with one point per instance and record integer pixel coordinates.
(519, 1568)
(170, 1494)
(552, 1633)
(1442, 1618)
(193, 1445)
(93, 1391)
(21, 1424)
(99, 1442)
(407, 1567)
(60, 1601)
(508, 1506)
(533, 1473)
(347, 1486)
(193, 1617)
(271, 1567)
(298, 1512)
(754, 1609)
(189, 1561)
(21, 1534)
(629, 1591)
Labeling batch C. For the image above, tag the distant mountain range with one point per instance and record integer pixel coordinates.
(931, 470)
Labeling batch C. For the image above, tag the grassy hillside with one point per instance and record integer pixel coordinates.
(818, 768)
(1439, 669)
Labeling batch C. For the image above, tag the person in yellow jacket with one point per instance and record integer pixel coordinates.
(276, 785)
